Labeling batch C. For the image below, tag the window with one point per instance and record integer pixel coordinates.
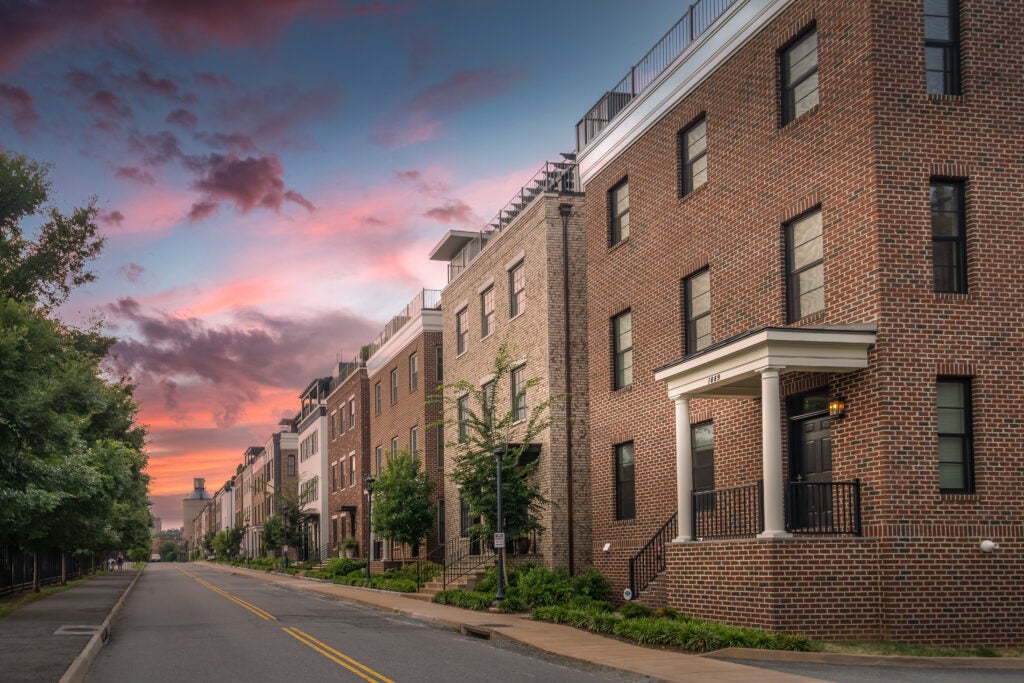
(465, 520)
(622, 349)
(414, 442)
(291, 465)
(625, 483)
(351, 470)
(351, 413)
(486, 311)
(693, 144)
(376, 398)
(394, 447)
(702, 439)
(949, 239)
(414, 372)
(956, 467)
(800, 77)
(697, 297)
(334, 477)
(518, 385)
(618, 212)
(439, 363)
(379, 459)
(517, 290)
(461, 330)
(804, 268)
(334, 433)
(440, 446)
(942, 46)
(463, 417)
(394, 386)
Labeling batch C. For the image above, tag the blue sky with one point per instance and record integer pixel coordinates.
(274, 173)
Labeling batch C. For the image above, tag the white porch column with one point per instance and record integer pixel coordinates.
(771, 444)
(684, 469)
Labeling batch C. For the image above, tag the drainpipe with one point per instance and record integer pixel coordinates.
(565, 210)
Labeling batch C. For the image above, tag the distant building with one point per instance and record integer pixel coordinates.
(191, 506)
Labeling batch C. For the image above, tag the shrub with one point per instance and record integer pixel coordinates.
(540, 587)
(634, 610)
(666, 612)
(466, 599)
(340, 566)
(593, 584)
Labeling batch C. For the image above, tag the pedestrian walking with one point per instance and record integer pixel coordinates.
(120, 561)
(110, 564)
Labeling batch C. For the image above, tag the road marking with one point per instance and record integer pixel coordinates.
(337, 657)
(262, 614)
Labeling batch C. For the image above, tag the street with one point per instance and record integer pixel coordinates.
(190, 622)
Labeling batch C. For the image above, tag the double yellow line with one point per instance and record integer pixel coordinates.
(262, 614)
(326, 650)
(342, 659)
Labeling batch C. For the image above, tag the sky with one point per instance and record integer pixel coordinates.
(273, 174)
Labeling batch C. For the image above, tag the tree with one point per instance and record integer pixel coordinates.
(168, 551)
(402, 509)
(471, 413)
(41, 271)
(228, 542)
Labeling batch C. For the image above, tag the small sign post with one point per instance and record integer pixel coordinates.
(499, 541)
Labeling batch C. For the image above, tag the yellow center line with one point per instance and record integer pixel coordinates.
(262, 614)
(337, 657)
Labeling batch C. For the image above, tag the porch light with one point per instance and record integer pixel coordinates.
(837, 407)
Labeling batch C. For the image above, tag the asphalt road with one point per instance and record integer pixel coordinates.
(186, 622)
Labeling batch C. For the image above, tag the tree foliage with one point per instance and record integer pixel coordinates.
(44, 270)
(228, 542)
(402, 509)
(484, 428)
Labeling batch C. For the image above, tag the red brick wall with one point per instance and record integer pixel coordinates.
(865, 155)
(339, 448)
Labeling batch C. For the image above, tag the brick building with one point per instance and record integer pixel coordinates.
(522, 281)
(403, 372)
(803, 273)
(348, 454)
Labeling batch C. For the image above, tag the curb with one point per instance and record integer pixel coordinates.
(895, 661)
(80, 666)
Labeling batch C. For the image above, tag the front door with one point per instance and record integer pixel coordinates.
(811, 465)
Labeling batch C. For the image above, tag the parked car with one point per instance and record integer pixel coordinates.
(154, 557)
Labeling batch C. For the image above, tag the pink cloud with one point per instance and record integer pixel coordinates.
(421, 118)
(131, 271)
(18, 105)
(453, 212)
(135, 174)
(112, 217)
(247, 183)
(183, 118)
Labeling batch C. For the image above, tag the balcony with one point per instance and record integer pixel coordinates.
(700, 15)
(426, 300)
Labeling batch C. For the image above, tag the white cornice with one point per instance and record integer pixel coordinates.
(690, 68)
(428, 320)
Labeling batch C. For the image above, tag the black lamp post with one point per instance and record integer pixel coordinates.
(499, 452)
(369, 525)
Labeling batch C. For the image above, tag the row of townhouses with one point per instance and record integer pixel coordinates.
(774, 298)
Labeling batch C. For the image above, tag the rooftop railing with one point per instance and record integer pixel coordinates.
(699, 16)
(553, 176)
(427, 299)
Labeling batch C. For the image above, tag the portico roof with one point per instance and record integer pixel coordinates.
(730, 369)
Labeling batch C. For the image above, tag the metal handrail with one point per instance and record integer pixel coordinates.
(650, 561)
(736, 512)
(456, 566)
(823, 507)
(426, 299)
(699, 16)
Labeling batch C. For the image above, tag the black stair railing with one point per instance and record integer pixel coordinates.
(823, 508)
(463, 557)
(650, 561)
(736, 512)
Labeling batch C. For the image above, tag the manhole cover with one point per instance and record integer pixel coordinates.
(77, 630)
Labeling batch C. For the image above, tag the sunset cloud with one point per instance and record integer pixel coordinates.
(247, 183)
(18, 105)
(183, 118)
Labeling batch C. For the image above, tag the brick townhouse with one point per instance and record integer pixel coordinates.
(348, 454)
(403, 371)
(521, 281)
(804, 274)
(311, 427)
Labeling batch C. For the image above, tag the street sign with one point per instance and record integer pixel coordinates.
(499, 541)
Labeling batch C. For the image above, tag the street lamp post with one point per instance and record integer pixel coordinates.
(369, 525)
(499, 452)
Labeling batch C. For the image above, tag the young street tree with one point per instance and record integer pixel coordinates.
(472, 413)
(402, 509)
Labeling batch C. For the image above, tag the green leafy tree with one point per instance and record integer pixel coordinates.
(228, 543)
(44, 270)
(472, 414)
(402, 509)
(168, 551)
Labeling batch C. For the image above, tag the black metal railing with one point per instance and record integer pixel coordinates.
(465, 556)
(16, 568)
(823, 508)
(736, 512)
(699, 16)
(650, 561)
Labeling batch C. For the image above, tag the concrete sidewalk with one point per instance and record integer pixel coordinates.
(553, 638)
(57, 635)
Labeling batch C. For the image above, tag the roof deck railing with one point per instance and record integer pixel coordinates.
(699, 16)
(426, 299)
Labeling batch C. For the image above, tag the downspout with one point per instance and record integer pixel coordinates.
(565, 210)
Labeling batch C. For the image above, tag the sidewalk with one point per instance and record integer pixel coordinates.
(554, 638)
(41, 641)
